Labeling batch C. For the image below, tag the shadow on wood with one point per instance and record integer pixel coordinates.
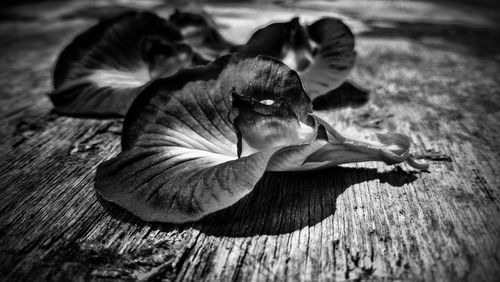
(282, 202)
(346, 95)
(285, 202)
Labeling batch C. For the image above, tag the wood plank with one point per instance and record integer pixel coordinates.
(364, 221)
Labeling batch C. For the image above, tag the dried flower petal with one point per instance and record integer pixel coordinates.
(201, 31)
(323, 52)
(199, 141)
(102, 71)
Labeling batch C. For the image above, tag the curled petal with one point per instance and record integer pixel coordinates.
(323, 52)
(392, 148)
(198, 141)
(180, 159)
(334, 58)
(201, 31)
(171, 184)
(268, 123)
(274, 40)
(102, 71)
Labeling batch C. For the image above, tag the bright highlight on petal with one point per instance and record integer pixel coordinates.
(103, 69)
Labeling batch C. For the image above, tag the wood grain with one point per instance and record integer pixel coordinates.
(365, 221)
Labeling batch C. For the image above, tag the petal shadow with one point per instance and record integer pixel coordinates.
(346, 95)
(282, 202)
(285, 202)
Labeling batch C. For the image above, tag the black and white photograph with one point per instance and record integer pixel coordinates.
(259, 140)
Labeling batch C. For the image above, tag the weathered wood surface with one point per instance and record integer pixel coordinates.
(436, 81)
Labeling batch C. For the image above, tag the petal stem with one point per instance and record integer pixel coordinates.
(392, 148)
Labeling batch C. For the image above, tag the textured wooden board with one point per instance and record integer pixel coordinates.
(366, 221)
